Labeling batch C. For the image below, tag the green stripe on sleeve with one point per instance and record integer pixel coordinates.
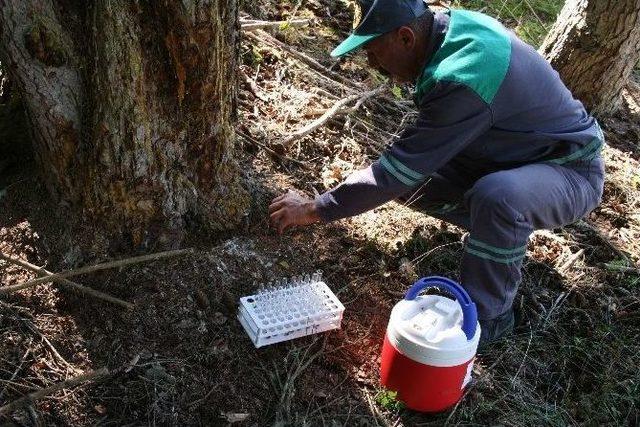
(585, 153)
(396, 173)
(404, 169)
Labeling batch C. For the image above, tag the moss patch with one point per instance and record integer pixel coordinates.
(46, 44)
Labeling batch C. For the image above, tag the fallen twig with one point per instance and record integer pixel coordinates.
(93, 268)
(33, 328)
(257, 143)
(15, 373)
(604, 239)
(572, 260)
(253, 86)
(67, 283)
(265, 37)
(44, 392)
(332, 112)
(621, 268)
(250, 25)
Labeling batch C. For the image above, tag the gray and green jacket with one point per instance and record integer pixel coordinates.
(487, 101)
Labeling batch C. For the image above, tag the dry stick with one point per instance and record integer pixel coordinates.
(257, 25)
(267, 149)
(572, 260)
(621, 268)
(253, 86)
(15, 373)
(330, 76)
(93, 268)
(604, 239)
(267, 38)
(68, 283)
(330, 113)
(33, 328)
(44, 392)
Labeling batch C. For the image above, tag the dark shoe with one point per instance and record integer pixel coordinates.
(494, 329)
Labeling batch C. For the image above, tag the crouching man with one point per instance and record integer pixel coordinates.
(500, 146)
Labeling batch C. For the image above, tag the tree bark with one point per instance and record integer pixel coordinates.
(131, 106)
(594, 45)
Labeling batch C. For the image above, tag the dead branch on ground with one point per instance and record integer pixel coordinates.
(35, 330)
(253, 25)
(264, 37)
(336, 109)
(258, 144)
(68, 283)
(94, 268)
(44, 392)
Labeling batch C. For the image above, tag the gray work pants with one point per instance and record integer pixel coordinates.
(501, 210)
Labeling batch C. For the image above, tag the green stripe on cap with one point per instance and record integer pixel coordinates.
(351, 43)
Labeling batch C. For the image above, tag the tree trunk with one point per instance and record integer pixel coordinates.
(131, 106)
(594, 45)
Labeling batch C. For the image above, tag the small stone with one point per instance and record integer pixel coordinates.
(185, 324)
(158, 373)
(233, 417)
(284, 264)
(201, 299)
(219, 318)
(219, 347)
(202, 327)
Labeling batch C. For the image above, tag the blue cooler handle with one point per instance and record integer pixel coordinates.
(469, 312)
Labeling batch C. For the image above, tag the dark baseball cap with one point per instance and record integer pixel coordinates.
(374, 18)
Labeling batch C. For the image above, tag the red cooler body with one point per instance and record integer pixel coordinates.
(430, 345)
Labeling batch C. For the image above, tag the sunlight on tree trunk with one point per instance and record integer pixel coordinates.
(131, 105)
(595, 45)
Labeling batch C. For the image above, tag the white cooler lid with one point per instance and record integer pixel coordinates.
(428, 329)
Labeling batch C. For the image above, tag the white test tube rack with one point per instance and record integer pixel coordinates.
(288, 309)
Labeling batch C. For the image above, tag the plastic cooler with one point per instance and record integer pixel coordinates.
(430, 345)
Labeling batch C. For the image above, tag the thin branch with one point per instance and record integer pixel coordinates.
(257, 143)
(253, 86)
(621, 268)
(15, 373)
(332, 112)
(33, 328)
(569, 263)
(264, 37)
(604, 239)
(44, 392)
(258, 25)
(67, 283)
(93, 268)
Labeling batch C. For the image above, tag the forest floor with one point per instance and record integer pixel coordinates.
(180, 357)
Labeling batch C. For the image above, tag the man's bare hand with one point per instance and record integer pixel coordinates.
(292, 209)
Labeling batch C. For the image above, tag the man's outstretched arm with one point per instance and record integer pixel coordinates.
(451, 117)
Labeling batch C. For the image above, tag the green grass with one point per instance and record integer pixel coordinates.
(531, 19)
(389, 400)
